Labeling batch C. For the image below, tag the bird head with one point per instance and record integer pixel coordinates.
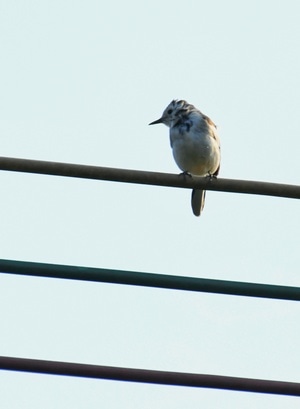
(174, 112)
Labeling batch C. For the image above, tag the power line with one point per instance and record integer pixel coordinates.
(150, 376)
(148, 178)
(150, 280)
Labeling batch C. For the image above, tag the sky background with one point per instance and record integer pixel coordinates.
(80, 81)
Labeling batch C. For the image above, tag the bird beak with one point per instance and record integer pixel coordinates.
(158, 121)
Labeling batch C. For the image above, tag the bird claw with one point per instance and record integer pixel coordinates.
(211, 176)
(185, 174)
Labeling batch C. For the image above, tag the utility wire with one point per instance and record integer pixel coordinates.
(150, 376)
(149, 178)
(150, 280)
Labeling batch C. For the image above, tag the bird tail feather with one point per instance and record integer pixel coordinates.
(198, 200)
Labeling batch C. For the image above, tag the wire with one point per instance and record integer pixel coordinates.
(149, 178)
(149, 376)
(150, 280)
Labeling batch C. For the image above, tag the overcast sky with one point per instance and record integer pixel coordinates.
(80, 81)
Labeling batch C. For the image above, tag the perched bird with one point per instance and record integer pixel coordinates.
(195, 144)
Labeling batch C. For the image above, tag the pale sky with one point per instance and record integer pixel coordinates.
(80, 81)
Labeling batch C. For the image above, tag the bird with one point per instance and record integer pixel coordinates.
(195, 144)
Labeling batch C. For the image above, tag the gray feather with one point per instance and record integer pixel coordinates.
(198, 200)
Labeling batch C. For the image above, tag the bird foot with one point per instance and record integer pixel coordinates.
(211, 176)
(185, 174)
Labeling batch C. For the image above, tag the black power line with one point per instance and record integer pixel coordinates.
(148, 178)
(150, 376)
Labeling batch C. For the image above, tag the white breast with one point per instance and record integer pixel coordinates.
(195, 148)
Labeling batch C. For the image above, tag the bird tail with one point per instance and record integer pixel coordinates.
(198, 200)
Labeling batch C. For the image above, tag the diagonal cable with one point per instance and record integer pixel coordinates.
(172, 282)
(150, 376)
(148, 178)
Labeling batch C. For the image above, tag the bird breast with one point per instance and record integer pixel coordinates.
(196, 152)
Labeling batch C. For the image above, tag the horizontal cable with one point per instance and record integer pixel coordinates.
(149, 376)
(150, 280)
(148, 178)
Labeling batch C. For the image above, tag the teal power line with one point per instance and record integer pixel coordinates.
(150, 280)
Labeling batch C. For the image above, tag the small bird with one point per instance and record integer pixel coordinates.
(195, 144)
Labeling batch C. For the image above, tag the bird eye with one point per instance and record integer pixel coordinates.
(169, 111)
